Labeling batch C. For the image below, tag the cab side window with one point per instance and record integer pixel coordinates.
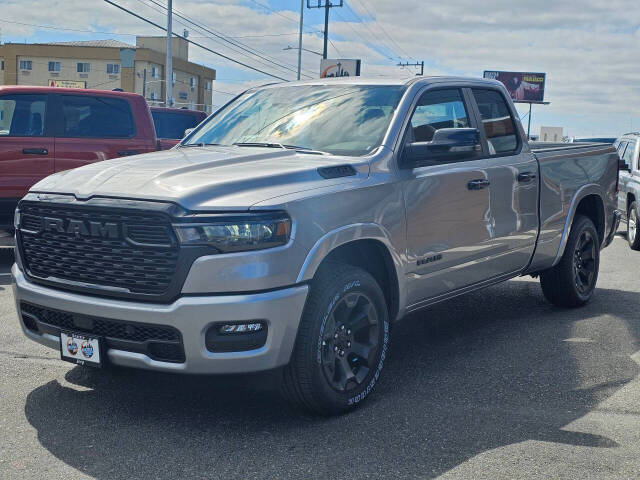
(499, 127)
(96, 117)
(22, 115)
(435, 110)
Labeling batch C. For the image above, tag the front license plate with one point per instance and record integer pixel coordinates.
(80, 349)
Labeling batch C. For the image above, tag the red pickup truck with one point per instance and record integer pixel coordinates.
(45, 130)
(171, 123)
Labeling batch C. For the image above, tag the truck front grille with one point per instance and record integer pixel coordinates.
(159, 342)
(99, 248)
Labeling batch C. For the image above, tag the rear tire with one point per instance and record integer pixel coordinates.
(572, 281)
(341, 344)
(632, 227)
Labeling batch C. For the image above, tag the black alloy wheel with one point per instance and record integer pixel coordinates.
(350, 342)
(584, 267)
(572, 281)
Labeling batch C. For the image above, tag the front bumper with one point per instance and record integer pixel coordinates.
(191, 315)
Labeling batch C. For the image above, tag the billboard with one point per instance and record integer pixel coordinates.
(524, 87)
(67, 83)
(330, 67)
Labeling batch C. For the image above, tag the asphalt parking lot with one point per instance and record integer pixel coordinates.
(496, 384)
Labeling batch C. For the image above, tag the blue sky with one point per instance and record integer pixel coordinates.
(591, 80)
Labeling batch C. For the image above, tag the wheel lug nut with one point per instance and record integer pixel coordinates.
(323, 343)
(342, 327)
(348, 344)
(341, 353)
(335, 349)
(348, 332)
(335, 336)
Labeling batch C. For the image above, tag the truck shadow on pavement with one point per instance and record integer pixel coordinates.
(479, 372)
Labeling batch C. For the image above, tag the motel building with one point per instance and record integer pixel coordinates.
(111, 64)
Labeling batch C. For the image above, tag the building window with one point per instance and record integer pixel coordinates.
(155, 72)
(83, 67)
(153, 95)
(54, 66)
(1, 64)
(207, 85)
(26, 64)
(175, 77)
(192, 82)
(113, 68)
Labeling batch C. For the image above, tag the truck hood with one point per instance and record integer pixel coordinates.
(202, 178)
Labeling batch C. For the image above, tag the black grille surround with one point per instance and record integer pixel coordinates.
(125, 249)
(159, 342)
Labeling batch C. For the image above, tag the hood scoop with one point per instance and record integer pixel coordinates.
(337, 171)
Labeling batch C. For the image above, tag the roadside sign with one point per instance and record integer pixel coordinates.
(330, 67)
(523, 87)
(67, 83)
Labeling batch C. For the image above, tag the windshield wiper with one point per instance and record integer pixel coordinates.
(304, 149)
(198, 144)
(280, 145)
(259, 144)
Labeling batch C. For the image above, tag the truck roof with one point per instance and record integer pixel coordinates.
(385, 81)
(77, 91)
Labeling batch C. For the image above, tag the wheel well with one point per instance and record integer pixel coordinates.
(630, 199)
(373, 257)
(592, 207)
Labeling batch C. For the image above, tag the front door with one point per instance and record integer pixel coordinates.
(26, 153)
(447, 205)
(627, 153)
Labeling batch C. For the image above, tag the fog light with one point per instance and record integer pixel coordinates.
(236, 337)
(241, 328)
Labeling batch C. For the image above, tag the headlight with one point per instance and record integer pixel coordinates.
(237, 233)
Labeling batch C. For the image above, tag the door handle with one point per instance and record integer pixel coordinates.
(126, 153)
(478, 184)
(526, 177)
(35, 151)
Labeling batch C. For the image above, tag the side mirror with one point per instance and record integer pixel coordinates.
(622, 166)
(188, 131)
(447, 144)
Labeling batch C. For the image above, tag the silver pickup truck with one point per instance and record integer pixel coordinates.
(295, 225)
(628, 147)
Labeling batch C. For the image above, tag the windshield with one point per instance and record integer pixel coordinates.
(341, 119)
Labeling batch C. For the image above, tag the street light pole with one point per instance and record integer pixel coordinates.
(169, 62)
(300, 38)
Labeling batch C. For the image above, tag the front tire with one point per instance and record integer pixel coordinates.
(632, 227)
(572, 281)
(342, 342)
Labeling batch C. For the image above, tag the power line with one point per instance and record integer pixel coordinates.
(379, 25)
(224, 38)
(373, 34)
(266, 7)
(195, 43)
(365, 40)
(123, 34)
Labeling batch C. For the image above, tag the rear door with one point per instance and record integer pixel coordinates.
(93, 128)
(26, 147)
(447, 218)
(513, 177)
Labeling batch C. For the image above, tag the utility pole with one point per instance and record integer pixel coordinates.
(300, 38)
(417, 64)
(326, 5)
(168, 68)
